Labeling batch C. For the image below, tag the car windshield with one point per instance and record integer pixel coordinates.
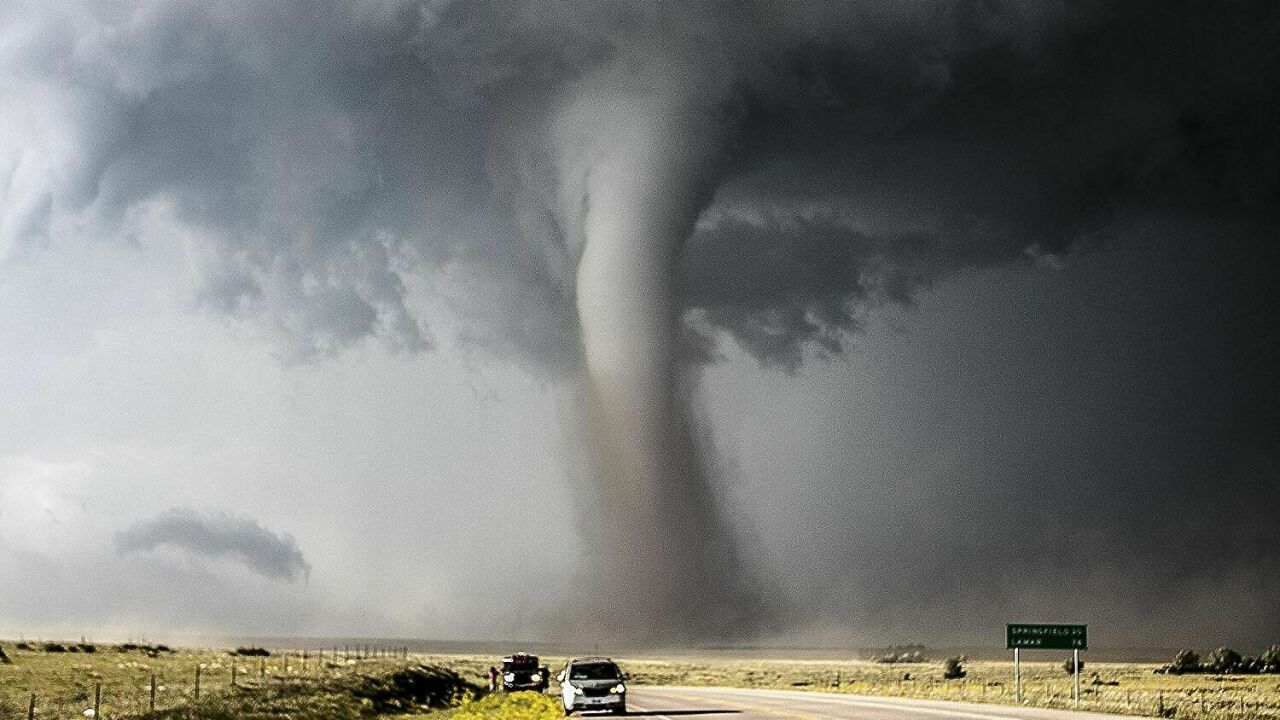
(520, 666)
(594, 671)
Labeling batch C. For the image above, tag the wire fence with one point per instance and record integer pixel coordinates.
(125, 686)
(129, 687)
(1193, 704)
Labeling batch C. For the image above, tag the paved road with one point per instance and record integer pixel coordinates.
(727, 704)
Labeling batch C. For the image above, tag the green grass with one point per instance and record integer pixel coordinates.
(516, 706)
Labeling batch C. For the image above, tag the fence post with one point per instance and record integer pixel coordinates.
(153, 692)
(97, 700)
(31, 708)
(262, 667)
(233, 673)
(197, 682)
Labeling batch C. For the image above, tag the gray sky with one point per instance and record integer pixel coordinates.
(980, 299)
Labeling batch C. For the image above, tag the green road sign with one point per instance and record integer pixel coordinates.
(1047, 637)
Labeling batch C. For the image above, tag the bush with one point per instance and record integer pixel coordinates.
(359, 697)
(1271, 659)
(1249, 665)
(87, 648)
(55, 647)
(1224, 660)
(252, 652)
(953, 668)
(410, 689)
(4, 658)
(1068, 666)
(1186, 661)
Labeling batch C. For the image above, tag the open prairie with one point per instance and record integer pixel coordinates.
(322, 685)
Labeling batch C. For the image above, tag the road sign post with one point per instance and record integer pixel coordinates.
(1020, 636)
(1017, 677)
(1075, 665)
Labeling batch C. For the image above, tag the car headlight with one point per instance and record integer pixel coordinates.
(577, 690)
(509, 677)
(536, 677)
(618, 689)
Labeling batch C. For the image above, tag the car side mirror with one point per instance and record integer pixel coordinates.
(560, 676)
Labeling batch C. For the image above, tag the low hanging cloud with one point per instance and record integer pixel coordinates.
(218, 535)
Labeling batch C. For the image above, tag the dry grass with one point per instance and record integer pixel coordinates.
(1121, 688)
(64, 682)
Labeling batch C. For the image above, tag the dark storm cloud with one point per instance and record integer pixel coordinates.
(218, 535)
(329, 148)
(957, 143)
(1098, 443)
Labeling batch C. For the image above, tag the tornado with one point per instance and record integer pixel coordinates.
(644, 164)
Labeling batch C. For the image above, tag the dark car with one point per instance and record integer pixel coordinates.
(521, 671)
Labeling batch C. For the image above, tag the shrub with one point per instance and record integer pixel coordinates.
(1249, 665)
(357, 697)
(409, 689)
(1271, 659)
(4, 658)
(55, 647)
(1186, 661)
(1068, 666)
(1224, 660)
(953, 668)
(87, 647)
(252, 652)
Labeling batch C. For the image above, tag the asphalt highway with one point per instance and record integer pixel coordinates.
(731, 704)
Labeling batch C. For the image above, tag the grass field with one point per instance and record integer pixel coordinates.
(67, 685)
(288, 685)
(1105, 687)
(1122, 688)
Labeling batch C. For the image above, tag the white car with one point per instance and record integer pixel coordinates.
(593, 684)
